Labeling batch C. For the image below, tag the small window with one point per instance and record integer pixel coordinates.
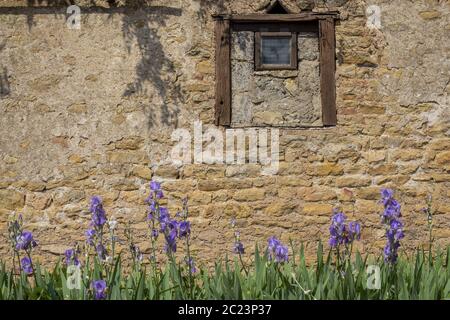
(275, 51)
(297, 52)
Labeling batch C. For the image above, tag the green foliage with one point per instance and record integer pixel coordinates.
(410, 278)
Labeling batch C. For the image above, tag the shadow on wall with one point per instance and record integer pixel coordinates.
(4, 83)
(5, 88)
(153, 61)
(154, 65)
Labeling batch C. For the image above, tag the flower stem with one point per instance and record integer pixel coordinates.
(243, 265)
(32, 267)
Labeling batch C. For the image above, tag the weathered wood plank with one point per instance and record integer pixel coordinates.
(223, 72)
(299, 17)
(327, 71)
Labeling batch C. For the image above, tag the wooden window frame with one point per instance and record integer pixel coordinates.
(327, 48)
(259, 66)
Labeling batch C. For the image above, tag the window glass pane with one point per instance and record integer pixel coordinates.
(276, 50)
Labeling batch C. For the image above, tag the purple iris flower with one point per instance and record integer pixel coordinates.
(354, 231)
(277, 251)
(71, 256)
(392, 208)
(338, 229)
(396, 224)
(387, 251)
(98, 213)
(281, 254)
(164, 218)
(156, 192)
(173, 225)
(163, 212)
(390, 252)
(96, 202)
(387, 194)
(394, 227)
(90, 234)
(333, 242)
(101, 251)
(184, 229)
(26, 265)
(239, 248)
(340, 232)
(170, 247)
(99, 288)
(273, 243)
(25, 241)
(396, 231)
(155, 186)
(171, 241)
(339, 218)
(399, 235)
(152, 206)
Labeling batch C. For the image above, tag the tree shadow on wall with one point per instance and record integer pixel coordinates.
(141, 23)
(154, 65)
(5, 88)
(4, 83)
(154, 62)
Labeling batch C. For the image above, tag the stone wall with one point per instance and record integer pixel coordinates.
(289, 98)
(91, 111)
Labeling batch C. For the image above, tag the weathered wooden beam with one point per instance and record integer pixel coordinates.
(298, 17)
(223, 72)
(327, 71)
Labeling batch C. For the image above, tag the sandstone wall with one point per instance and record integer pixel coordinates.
(91, 111)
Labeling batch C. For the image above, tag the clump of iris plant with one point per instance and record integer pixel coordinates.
(21, 240)
(26, 243)
(342, 235)
(238, 246)
(394, 227)
(160, 222)
(153, 213)
(95, 234)
(99, 289)
(169, 228)
(277, 251)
